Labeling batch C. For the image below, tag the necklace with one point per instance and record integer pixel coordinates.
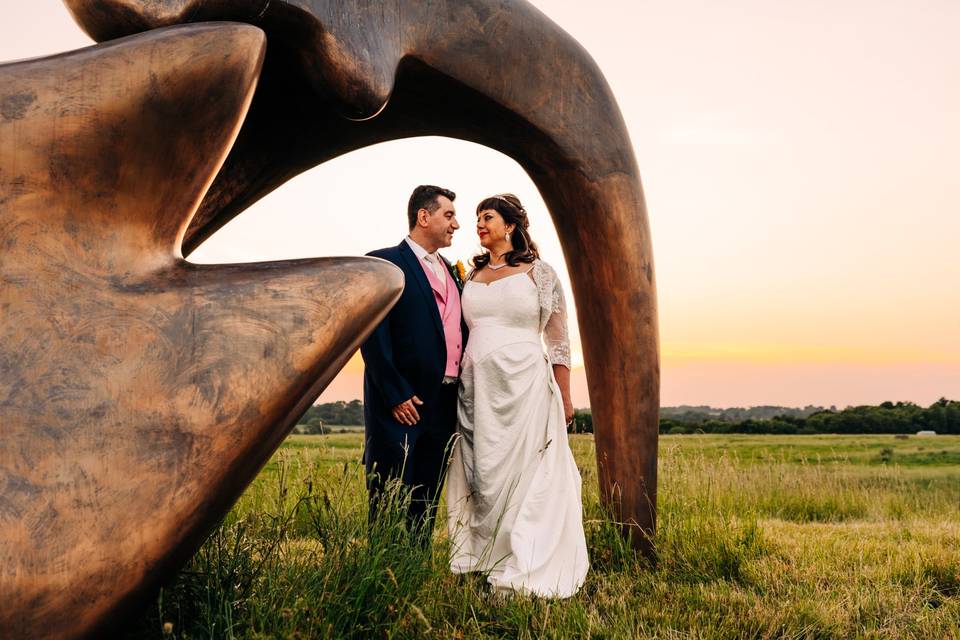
(493, 267)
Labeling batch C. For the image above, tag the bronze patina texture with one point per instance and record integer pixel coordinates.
(140, 394)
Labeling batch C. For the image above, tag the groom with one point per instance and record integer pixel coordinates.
(412, 364)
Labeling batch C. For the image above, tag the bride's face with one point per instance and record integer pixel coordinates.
(492, 229)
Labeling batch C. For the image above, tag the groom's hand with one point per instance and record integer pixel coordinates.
(406, 412)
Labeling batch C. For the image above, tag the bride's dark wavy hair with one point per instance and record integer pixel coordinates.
(512, 212)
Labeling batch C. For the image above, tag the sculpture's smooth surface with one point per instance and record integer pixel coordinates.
(140, 393)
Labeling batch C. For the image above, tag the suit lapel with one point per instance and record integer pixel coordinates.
(420, 277)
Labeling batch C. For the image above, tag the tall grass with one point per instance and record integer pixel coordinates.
(750, 544)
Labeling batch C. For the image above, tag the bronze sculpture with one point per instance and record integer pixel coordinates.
(142, 393)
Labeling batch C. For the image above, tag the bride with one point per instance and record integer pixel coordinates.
(513, 489)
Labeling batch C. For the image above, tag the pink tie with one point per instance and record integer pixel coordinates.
(434, 263)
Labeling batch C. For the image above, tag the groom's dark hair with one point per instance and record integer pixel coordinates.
(425, 197)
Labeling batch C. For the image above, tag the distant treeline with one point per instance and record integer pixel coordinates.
(943, 416)
(320, 417)
(700, 414)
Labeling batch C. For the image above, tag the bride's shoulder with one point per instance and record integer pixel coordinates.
(543, 268)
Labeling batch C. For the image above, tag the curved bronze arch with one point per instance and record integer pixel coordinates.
(500, 74)
(111, 342)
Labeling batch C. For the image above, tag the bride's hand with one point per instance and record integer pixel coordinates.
(568, 410)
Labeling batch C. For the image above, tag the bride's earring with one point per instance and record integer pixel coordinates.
(508, 236)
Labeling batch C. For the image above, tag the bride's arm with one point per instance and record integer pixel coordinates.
(557, 338)
(562, 374)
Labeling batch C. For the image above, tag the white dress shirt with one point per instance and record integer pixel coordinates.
(433, 260)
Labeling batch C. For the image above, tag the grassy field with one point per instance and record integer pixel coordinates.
(758, 537)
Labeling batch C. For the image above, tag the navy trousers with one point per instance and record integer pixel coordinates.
(418, 458)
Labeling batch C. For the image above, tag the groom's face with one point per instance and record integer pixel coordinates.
(442, 223)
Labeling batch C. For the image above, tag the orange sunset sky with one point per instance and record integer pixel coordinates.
(801, 162)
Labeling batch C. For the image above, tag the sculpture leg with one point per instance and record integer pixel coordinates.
(140, 394)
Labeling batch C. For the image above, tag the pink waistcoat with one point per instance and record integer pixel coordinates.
(448, 303)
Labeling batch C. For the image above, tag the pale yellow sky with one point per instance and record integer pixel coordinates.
(800, 166)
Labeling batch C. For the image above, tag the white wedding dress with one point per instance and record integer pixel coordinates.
(513, 488)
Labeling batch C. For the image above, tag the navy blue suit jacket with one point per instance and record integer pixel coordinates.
(405, 356)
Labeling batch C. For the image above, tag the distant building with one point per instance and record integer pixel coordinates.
(926, 433)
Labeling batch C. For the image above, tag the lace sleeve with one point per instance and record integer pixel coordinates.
(553, 314)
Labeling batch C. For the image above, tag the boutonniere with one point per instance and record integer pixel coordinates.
(458, 272)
